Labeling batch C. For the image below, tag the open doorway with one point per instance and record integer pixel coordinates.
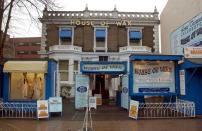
(101, 89)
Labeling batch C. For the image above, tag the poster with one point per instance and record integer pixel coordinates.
(81, 87)
(92, 102)
(133, 111)
(42, 109)
(154, 77)
(182, 82)
(125, 91)
(55, 104)
(187, 35)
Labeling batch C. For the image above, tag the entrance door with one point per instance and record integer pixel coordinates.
(100, 88)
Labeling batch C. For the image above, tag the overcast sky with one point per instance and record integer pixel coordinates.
(31, 30)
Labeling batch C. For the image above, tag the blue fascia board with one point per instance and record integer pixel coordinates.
(156, 57)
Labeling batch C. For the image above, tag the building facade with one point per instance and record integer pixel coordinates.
(174, 15)
(71, 37)
(27, 47)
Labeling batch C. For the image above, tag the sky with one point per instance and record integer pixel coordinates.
(26, 28)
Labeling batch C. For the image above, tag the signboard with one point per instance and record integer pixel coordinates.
(92, 102)
(133, 111)
(107, 67)
(193, 52)
(55, 104)
(188, 35)
(182, 82)
(42, 109)
(82, 86)
(154, 77)
(125, 91)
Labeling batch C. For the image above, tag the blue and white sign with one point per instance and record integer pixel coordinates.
(154, 77)
(82, 86)
(125, 91)
(188, 35)
(55, 104)
(103, 67)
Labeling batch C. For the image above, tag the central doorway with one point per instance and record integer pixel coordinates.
(101, 89)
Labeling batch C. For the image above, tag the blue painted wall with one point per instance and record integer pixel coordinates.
(49, 82)
(193, 88)
(1, 80)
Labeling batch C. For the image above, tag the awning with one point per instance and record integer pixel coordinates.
(135, 35)
(156, 57)
(66, 33)
(26, 66)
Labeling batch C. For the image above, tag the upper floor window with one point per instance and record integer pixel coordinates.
(134, 37)
(65, 36)
(100, 41)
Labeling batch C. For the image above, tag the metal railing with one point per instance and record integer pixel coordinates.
(179, 109)
(18, 110)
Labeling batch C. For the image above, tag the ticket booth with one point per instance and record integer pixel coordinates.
(29, 80)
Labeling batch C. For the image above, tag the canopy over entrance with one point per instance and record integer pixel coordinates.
(26, 66)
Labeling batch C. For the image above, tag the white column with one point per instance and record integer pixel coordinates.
(71, 71)
(156, 38)
(106, 36)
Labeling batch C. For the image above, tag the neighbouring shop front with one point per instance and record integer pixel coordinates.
(100, 79)
(1, 79)
(154, 78)
(27, 81)
(191, 82)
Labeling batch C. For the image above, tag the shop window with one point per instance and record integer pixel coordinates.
(65, 36)
(135, 38)
(27, 86)
(64, 70)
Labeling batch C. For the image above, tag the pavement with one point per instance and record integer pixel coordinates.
(105, 118)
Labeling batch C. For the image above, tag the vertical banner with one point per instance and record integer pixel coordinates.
(182, 82)
(133, 111)
(125, 91)
(81, 87)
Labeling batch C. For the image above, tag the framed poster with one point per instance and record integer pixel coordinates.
(154, 77)
(133, 111)
(81, 87)
(182, 82)
(42, 109)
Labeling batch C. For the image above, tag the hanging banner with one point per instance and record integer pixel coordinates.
(154, 77)
(182, 82)
(42, 109)
(133, 111)
(187, 35)
(82, 86)
(124, 93)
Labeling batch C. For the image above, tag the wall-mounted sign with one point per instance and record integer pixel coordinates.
(188, 35)
(193, 52)
(182, 82)
(81, 86)
(55, 104)
(133, 111)
(154, 77)
(106, 67)
(101, 23)
(42, 109)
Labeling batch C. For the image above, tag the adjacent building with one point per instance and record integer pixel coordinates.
(175, 14)
(71, 37)
(27, 47)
